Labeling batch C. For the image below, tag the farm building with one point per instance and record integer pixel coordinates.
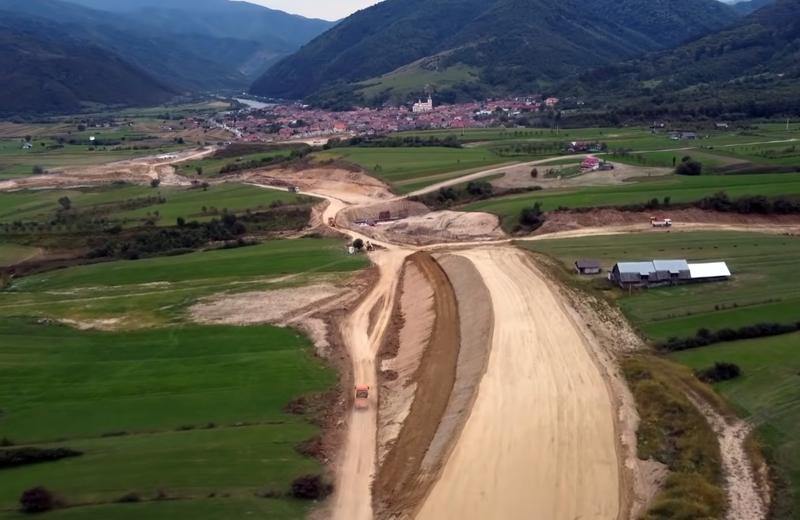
(585, 266)
(666, 272)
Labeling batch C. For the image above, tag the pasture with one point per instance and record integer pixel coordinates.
(411, 168)
(766, 394)
(184, 412)
(763, 287)
(134, 205)
(679, 189)
(189, 419)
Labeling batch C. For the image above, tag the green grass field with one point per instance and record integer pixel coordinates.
(211, 166)
(161, 406)
(178, 395)
(763, 288)
(16, 162)
(679, 189)
(110, 202)
(411, 168)
(768, 395)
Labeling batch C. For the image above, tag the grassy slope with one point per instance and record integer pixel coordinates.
(180, 202)
(767, 394)
(679, 189)
(764, 287)
(399, 166)
(271, 258)
(76, 386)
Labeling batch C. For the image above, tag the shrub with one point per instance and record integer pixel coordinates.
(358, 244)
(311, 487)
(129, 498)
(532, 217)
(155, 183)
(719, 372)
(25, 456)
(689, 166)
(38, 500)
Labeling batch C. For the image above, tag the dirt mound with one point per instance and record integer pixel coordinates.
(575, 220)
(437, 227)
(354, 187)
(399, 486)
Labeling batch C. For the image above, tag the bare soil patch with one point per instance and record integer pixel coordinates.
(354, 187)
(398, 485)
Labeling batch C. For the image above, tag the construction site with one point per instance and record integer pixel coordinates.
(477, 384)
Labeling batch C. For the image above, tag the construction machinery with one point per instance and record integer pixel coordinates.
(362, 397)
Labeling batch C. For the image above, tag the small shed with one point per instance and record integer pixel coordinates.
(588, 266)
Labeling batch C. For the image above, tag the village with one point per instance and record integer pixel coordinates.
(268, 122)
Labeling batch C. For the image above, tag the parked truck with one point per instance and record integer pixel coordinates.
(660, 222)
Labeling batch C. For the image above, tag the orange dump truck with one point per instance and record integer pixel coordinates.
(362, 397)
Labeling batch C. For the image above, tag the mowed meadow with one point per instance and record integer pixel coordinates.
(762, 289)
(173, 419)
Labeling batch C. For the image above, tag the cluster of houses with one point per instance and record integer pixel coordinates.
(278, 122)
(654, 273)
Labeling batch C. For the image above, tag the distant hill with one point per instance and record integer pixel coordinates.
(749, 69)
(750, 6)
(45, 70)
(188, 44)
(475, 47)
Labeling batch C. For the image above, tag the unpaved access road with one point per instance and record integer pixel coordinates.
(540, 442)
(353, 501)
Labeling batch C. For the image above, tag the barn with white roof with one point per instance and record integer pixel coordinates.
(666, 272)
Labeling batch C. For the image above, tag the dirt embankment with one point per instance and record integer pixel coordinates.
(423, 227)
(353, 187)
(398, 485)
(477, 324)
(559, 221)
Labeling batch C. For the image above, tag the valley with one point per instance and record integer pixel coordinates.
(417, 260)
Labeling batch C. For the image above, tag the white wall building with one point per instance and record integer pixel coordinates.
(423, 106)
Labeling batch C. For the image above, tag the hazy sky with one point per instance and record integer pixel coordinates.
(325, 9)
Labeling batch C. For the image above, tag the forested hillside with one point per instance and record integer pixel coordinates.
(510, 45)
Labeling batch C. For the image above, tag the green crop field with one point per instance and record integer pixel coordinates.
(419, 167)
(763, 287)
(768, 394)
(211, 167)
(188, 418)
(111, 202)
(679, 189)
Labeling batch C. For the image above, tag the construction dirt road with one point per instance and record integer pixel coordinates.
(540, 441)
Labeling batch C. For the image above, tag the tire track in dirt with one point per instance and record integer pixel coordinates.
(540, 441)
